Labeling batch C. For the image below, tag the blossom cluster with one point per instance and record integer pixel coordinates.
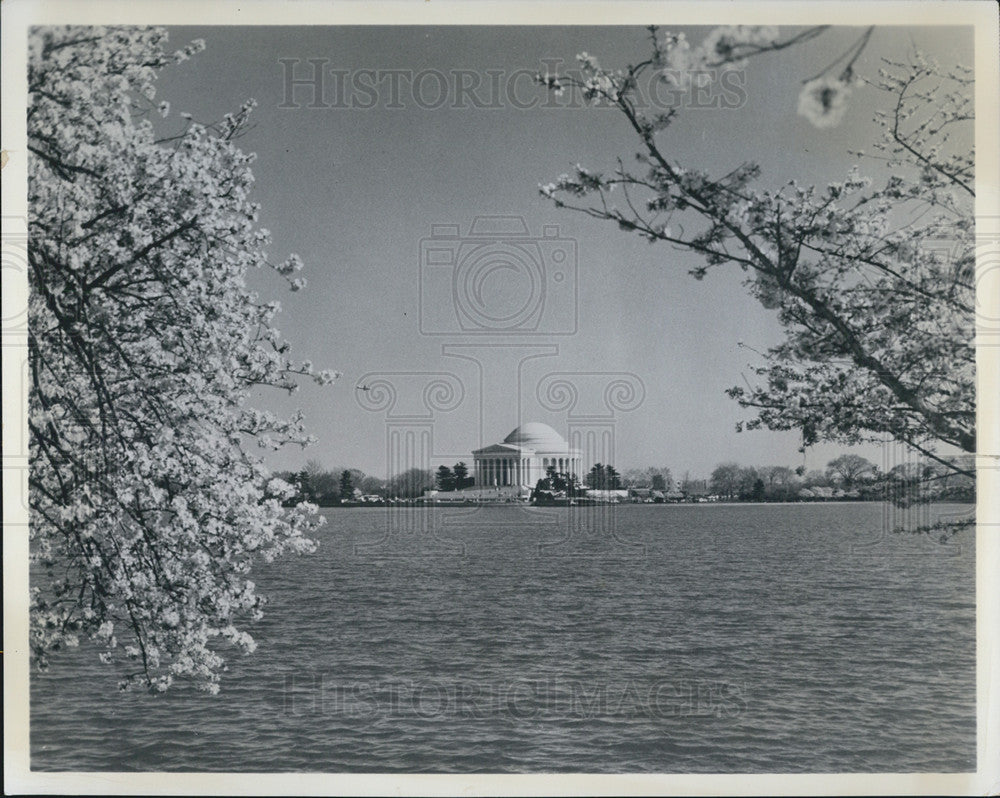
(677, 62)
(148, 511)
(872, 282)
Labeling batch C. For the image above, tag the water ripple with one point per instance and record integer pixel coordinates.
(787, 639)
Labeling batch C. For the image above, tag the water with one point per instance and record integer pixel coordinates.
(771, 638)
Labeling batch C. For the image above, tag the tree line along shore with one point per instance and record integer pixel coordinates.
(848, 477)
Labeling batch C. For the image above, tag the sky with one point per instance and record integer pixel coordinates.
(370, 198)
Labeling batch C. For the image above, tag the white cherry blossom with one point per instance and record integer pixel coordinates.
(147, 510)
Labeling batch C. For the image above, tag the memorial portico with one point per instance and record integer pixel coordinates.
(524, 457)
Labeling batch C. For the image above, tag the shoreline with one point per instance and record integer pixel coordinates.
(424, 504)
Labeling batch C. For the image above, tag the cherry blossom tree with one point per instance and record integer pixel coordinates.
(871, 279)
(148, 504)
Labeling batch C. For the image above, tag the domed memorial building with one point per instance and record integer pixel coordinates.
(524, 457)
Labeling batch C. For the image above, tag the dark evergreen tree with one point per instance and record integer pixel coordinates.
(346, 486)
(461, 476)
(445, 479)
(595, 477)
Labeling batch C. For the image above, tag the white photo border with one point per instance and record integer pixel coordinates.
(19, 15)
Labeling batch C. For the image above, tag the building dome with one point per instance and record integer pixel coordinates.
(537, 436)
(522, 459)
